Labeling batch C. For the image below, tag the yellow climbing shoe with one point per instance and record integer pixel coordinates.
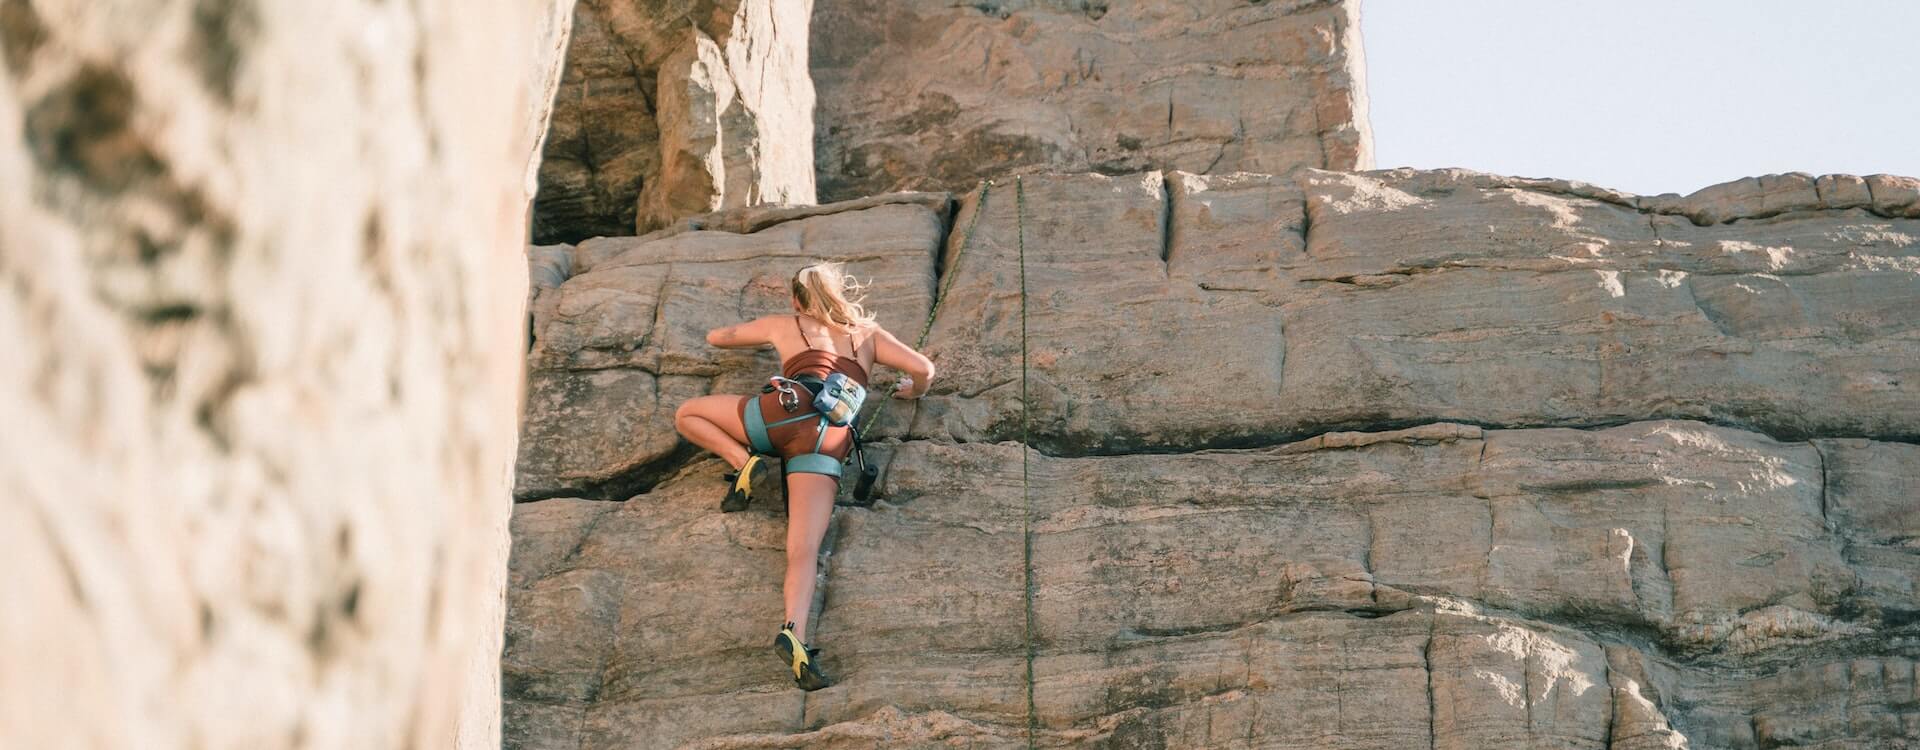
(799, 658)
(740, 485)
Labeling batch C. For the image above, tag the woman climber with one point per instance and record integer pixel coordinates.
(791, 419)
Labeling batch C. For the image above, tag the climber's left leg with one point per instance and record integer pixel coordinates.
(810, 507)
(808, 512)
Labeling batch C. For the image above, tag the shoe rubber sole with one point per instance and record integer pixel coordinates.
(740, 493)
(805, 674)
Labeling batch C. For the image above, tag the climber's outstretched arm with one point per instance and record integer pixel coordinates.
(749, 335)
(888, 351)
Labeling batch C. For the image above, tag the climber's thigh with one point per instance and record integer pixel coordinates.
(810, 504)
(721, 410)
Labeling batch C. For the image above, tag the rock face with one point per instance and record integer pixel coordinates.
(622, 343)
(1288, 597)
(936, 95)
(671, 108)
(1347, 301)
(1430, 459)
(259, 406)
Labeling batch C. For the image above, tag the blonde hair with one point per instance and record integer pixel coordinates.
(823, 291)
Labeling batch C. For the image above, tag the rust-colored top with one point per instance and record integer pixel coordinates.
(795, 438)
(819, 363)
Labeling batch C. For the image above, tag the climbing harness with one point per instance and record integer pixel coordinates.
(837, 400)
(789, 390)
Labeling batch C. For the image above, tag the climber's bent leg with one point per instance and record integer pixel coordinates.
(713, 423)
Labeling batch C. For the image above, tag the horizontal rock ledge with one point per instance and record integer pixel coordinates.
(1659, 575)
(1315, 302)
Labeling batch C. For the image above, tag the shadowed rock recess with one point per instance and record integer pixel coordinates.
(1353, 460)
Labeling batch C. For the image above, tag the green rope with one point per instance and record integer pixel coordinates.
(1026, 497)
(939, 295)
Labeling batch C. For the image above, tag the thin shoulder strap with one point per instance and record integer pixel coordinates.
(803, 331)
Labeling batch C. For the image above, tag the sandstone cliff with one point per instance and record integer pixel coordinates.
(1380, 459)
(260, 274)
(672, 109)
(934, 95)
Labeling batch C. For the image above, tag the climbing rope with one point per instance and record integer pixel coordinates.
(940, 294)
(1026, 497)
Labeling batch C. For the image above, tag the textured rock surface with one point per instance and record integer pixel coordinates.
(1505, 588)
(621, 343)
(670, 108)
(936, 95)
(259, 404)
(1433, 459)
(1388, 298)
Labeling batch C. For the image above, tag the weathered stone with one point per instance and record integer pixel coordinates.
(1895, 196)
(548, 266)
(755, 218)
(1196, 600)
(933, 95)
(1752, 197)
(604, 141)
(1647, 585)
(261, 279)
(672, 108)
(619, 346)
(1843, 191)
(1402, 297)
(1771, 195)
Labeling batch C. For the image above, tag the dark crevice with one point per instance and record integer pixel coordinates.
(1613, 697)
(643, 478)
(949, 222)
(1825, 503)
(634, 482)
(1058, 446)
(1433, 710)
(1166, 222)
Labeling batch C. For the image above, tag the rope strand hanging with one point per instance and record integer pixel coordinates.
(940, 294)
(1026, 496)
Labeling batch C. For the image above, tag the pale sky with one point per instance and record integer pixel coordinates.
(1646, 96)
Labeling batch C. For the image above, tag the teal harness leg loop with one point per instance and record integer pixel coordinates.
(757, 429)
(814, 463)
